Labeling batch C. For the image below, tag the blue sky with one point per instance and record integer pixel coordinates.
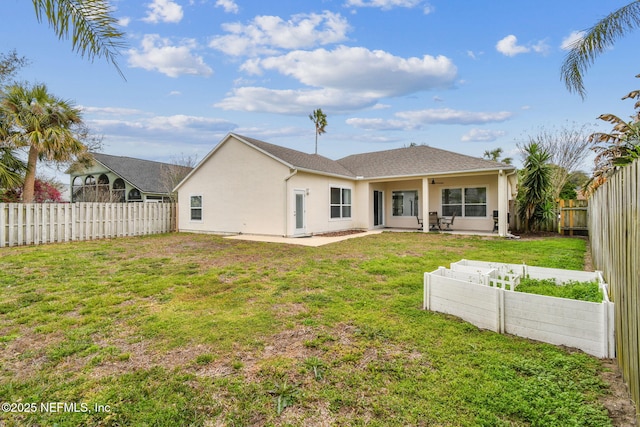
(466, 76)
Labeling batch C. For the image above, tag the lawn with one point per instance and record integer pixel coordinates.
(181, 330)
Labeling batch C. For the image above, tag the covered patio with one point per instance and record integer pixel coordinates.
(471, 202)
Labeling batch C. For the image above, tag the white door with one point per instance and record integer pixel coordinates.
(299, 212)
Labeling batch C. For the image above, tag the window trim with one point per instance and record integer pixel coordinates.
(463, 204)
(192, 208)
(341, 205)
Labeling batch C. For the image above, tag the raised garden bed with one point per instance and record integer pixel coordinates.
(581, 291)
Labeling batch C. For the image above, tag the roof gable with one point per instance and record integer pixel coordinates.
(298, 159)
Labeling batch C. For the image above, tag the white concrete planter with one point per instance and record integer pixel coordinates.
(481, 293)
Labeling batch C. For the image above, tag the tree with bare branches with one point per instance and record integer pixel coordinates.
(568, 147)
(174, 172)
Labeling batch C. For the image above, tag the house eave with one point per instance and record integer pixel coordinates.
(436, 174)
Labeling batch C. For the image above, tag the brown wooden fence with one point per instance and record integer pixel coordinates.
(570, 218)
(614, 229)
(38, 223)
(573, 217)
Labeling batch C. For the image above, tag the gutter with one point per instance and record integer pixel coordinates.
(293, 173)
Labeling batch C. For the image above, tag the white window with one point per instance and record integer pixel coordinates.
(405, 203)
(468, 202)
(340, 202)
(195, 206)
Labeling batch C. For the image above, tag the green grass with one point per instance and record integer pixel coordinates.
(582, 291)
(195, 330)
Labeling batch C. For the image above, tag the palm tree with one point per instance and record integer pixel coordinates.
(618, 147)
(534, 194)
(34, 118)
(89, 24)
(11, 169)
(596, 40)
(495, 156)
(320, 120)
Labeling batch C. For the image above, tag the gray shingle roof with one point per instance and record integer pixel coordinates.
(416, 160)
(409, 161)
(146, 175)
(298, 159)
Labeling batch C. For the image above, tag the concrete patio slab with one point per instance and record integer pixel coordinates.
(314, 241)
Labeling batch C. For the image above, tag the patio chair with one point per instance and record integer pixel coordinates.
(434, 221)
(447, 222)
(420, 222)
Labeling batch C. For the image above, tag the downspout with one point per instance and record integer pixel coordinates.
(515, 171)
(286, 201)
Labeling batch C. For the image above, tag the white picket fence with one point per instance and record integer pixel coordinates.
(481, 293)
(39, 223)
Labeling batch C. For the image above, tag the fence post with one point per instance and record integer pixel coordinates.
(3, 221)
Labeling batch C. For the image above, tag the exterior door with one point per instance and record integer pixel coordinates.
(299, 212)
(378, 208)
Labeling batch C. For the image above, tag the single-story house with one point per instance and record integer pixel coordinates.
(252, 187)
(124, 179)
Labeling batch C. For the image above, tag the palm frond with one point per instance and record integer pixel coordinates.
(596, 40)
(88, 23)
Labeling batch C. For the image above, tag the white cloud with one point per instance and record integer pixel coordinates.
(110, 110)
(381, 124)
(158, 54)
(450, 116)
(372, 74)
(176, 127)
(482, 135)
(124, 21)
(229, 6)
(163, 11)
(343, 80)
(509, 46)
(387, 4)
(411, 120)
(267, 34)
(291, 101)
(572, 38)
(540, 47)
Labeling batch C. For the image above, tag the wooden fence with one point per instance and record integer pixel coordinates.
(573, 217)
(39, 223)
(615, 245)
(570, 217)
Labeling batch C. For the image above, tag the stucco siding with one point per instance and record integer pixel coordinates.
(490, 182)
(242, 191)
(318, 202)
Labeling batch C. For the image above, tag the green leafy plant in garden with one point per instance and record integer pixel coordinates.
(583, 291)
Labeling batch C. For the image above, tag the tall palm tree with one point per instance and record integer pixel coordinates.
(89, 24)
(596, 40)
(45, 124)
(320, 120)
